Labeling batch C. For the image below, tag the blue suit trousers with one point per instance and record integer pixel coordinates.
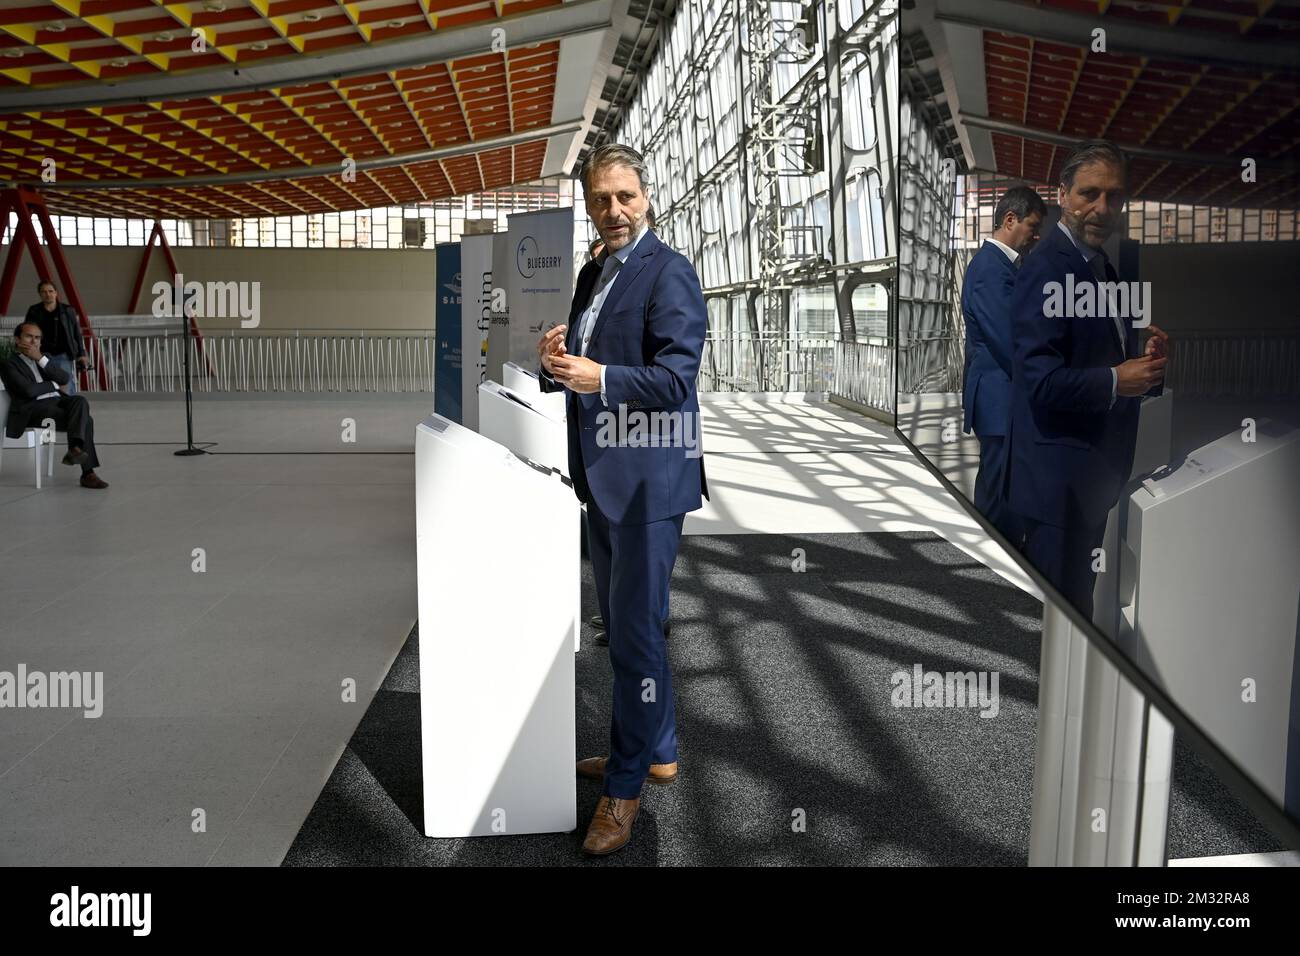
(633, 565)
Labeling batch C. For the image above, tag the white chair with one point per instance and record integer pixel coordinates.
(35, 438)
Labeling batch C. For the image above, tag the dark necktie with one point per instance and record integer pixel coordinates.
(1098, 264)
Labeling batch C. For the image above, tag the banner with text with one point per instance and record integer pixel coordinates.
(475, 317)
(498, 352)
(540, 286)
(448, 361)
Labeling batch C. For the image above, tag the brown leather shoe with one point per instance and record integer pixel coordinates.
(660, 773)
(93, 480)
(611, 825)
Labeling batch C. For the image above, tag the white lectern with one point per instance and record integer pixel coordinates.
(509, 420)
(1210, 591)
(517, 422)
(523, 382)
(496, 658)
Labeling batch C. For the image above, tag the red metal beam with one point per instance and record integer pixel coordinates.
(32, 203)
(157, 235)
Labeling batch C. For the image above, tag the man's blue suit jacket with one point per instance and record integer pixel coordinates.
(986, 307)
(1070, 450)
(650, 336)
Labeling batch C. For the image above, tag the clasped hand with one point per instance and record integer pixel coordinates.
(575, 372)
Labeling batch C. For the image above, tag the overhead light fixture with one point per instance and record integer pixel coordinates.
(215, 6)
(311, 16)
(55, 27)
(259, 46)
(119, 62)
(164, 38)
(395, 23)
(14, 54)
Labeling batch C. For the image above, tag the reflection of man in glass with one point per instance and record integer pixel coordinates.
(986, 309)
(1077, 378)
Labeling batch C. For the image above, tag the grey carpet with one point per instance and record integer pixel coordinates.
(784, 711)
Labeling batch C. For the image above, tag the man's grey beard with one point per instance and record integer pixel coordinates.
(633, 228)
(1075, 225)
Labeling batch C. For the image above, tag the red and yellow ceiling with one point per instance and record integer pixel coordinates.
(226, 108)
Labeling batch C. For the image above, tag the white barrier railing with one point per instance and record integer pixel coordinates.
(235, 360)
(767, 362)
(140, 356)
(1245, 364)
(864, 373)
(150, 359)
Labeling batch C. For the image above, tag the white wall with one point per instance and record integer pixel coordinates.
(300, 288)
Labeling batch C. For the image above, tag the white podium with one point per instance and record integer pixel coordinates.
(497, 704)
(523, 382)
(527, 429)
(530, 433)
(1210, 595)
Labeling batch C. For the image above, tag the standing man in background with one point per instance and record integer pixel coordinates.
(986, 309)
(632, 344)
(60, 331)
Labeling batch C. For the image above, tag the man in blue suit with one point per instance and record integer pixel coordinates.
(1077, 377)
(986, 308)
(628, 358)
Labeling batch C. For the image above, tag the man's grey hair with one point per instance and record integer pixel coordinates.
(1092, 151)
(615, 154)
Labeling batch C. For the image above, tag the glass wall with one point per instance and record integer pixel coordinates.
(417, 226)
(833, 193)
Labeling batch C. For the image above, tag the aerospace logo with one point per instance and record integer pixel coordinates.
(529, 258)
(454, 288)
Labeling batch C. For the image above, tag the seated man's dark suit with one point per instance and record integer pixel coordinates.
(1072, 436)
(649, 335)
(28, 409)
(986, 397)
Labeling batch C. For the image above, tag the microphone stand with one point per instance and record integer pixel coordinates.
(189, 448)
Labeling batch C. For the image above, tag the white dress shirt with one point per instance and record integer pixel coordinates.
(610, 266)
(1006, 249)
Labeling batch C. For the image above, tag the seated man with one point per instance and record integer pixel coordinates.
(35, 393)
